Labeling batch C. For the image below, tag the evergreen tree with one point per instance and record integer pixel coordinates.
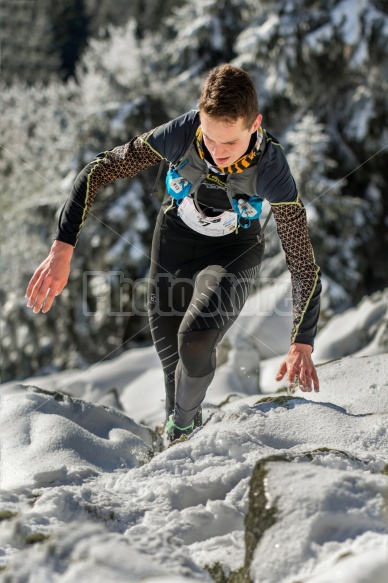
(43, 38)
(338, 223)
(50, 133)
(26, 39)
(321, 73)
(196, 37)
(149, 15)
(69, 32)
(329, 58)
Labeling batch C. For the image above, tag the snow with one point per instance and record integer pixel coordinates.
(82, 469)
(360, 331)
(360, 55)
(57, 439)
(363, 112)
(351, 332)
(336, 511)
(346, 16)
(111, 504)
(257, 34)
(265, 31)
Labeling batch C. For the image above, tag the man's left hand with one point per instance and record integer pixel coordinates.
(299, 367)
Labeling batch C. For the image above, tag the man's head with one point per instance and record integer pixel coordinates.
(229, 113)
(228, 94)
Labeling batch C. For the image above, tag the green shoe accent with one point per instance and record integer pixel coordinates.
(191, 426)
(170, 425)
(175, 432)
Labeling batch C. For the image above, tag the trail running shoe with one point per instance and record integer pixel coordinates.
(174, 432)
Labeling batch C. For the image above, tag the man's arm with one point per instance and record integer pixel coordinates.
(291, 224)
(122, 162)
(52, 275)
(168, 141)
(276, 184)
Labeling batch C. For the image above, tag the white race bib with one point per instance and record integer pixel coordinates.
(218, 226)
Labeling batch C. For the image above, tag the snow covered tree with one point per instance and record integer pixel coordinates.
(196, 37)
(321, 72)
(39, 136)
(339, 223)
(329, 59)
(26, 39)
(69, 25)
(55, 131)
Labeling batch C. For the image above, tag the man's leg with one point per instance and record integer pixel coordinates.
(168, 300)
(164, 331)
(217, 300)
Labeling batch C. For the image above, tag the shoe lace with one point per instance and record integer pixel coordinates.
(171, 425)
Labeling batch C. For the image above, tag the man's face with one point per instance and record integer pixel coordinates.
(227, 142)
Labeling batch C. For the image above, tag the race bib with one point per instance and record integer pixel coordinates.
(211, 226)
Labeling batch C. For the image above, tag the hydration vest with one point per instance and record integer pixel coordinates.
(186, 177)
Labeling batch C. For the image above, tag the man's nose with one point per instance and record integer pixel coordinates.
(218, 150)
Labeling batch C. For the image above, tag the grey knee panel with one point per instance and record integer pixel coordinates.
(197, 351)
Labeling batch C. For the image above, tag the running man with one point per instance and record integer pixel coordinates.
(207, 247)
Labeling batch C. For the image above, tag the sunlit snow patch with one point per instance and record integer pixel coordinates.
(50, 438)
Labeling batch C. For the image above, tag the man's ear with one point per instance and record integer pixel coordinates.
(257, 123)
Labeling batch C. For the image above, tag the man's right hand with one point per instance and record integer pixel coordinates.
(50, 278)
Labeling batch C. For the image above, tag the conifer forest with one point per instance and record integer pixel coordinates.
(79, 77)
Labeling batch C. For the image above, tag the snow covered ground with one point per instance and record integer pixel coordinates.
(273, 489)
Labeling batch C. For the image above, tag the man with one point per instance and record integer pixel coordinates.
(207, 246)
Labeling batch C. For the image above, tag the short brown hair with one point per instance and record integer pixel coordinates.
(228, 94)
